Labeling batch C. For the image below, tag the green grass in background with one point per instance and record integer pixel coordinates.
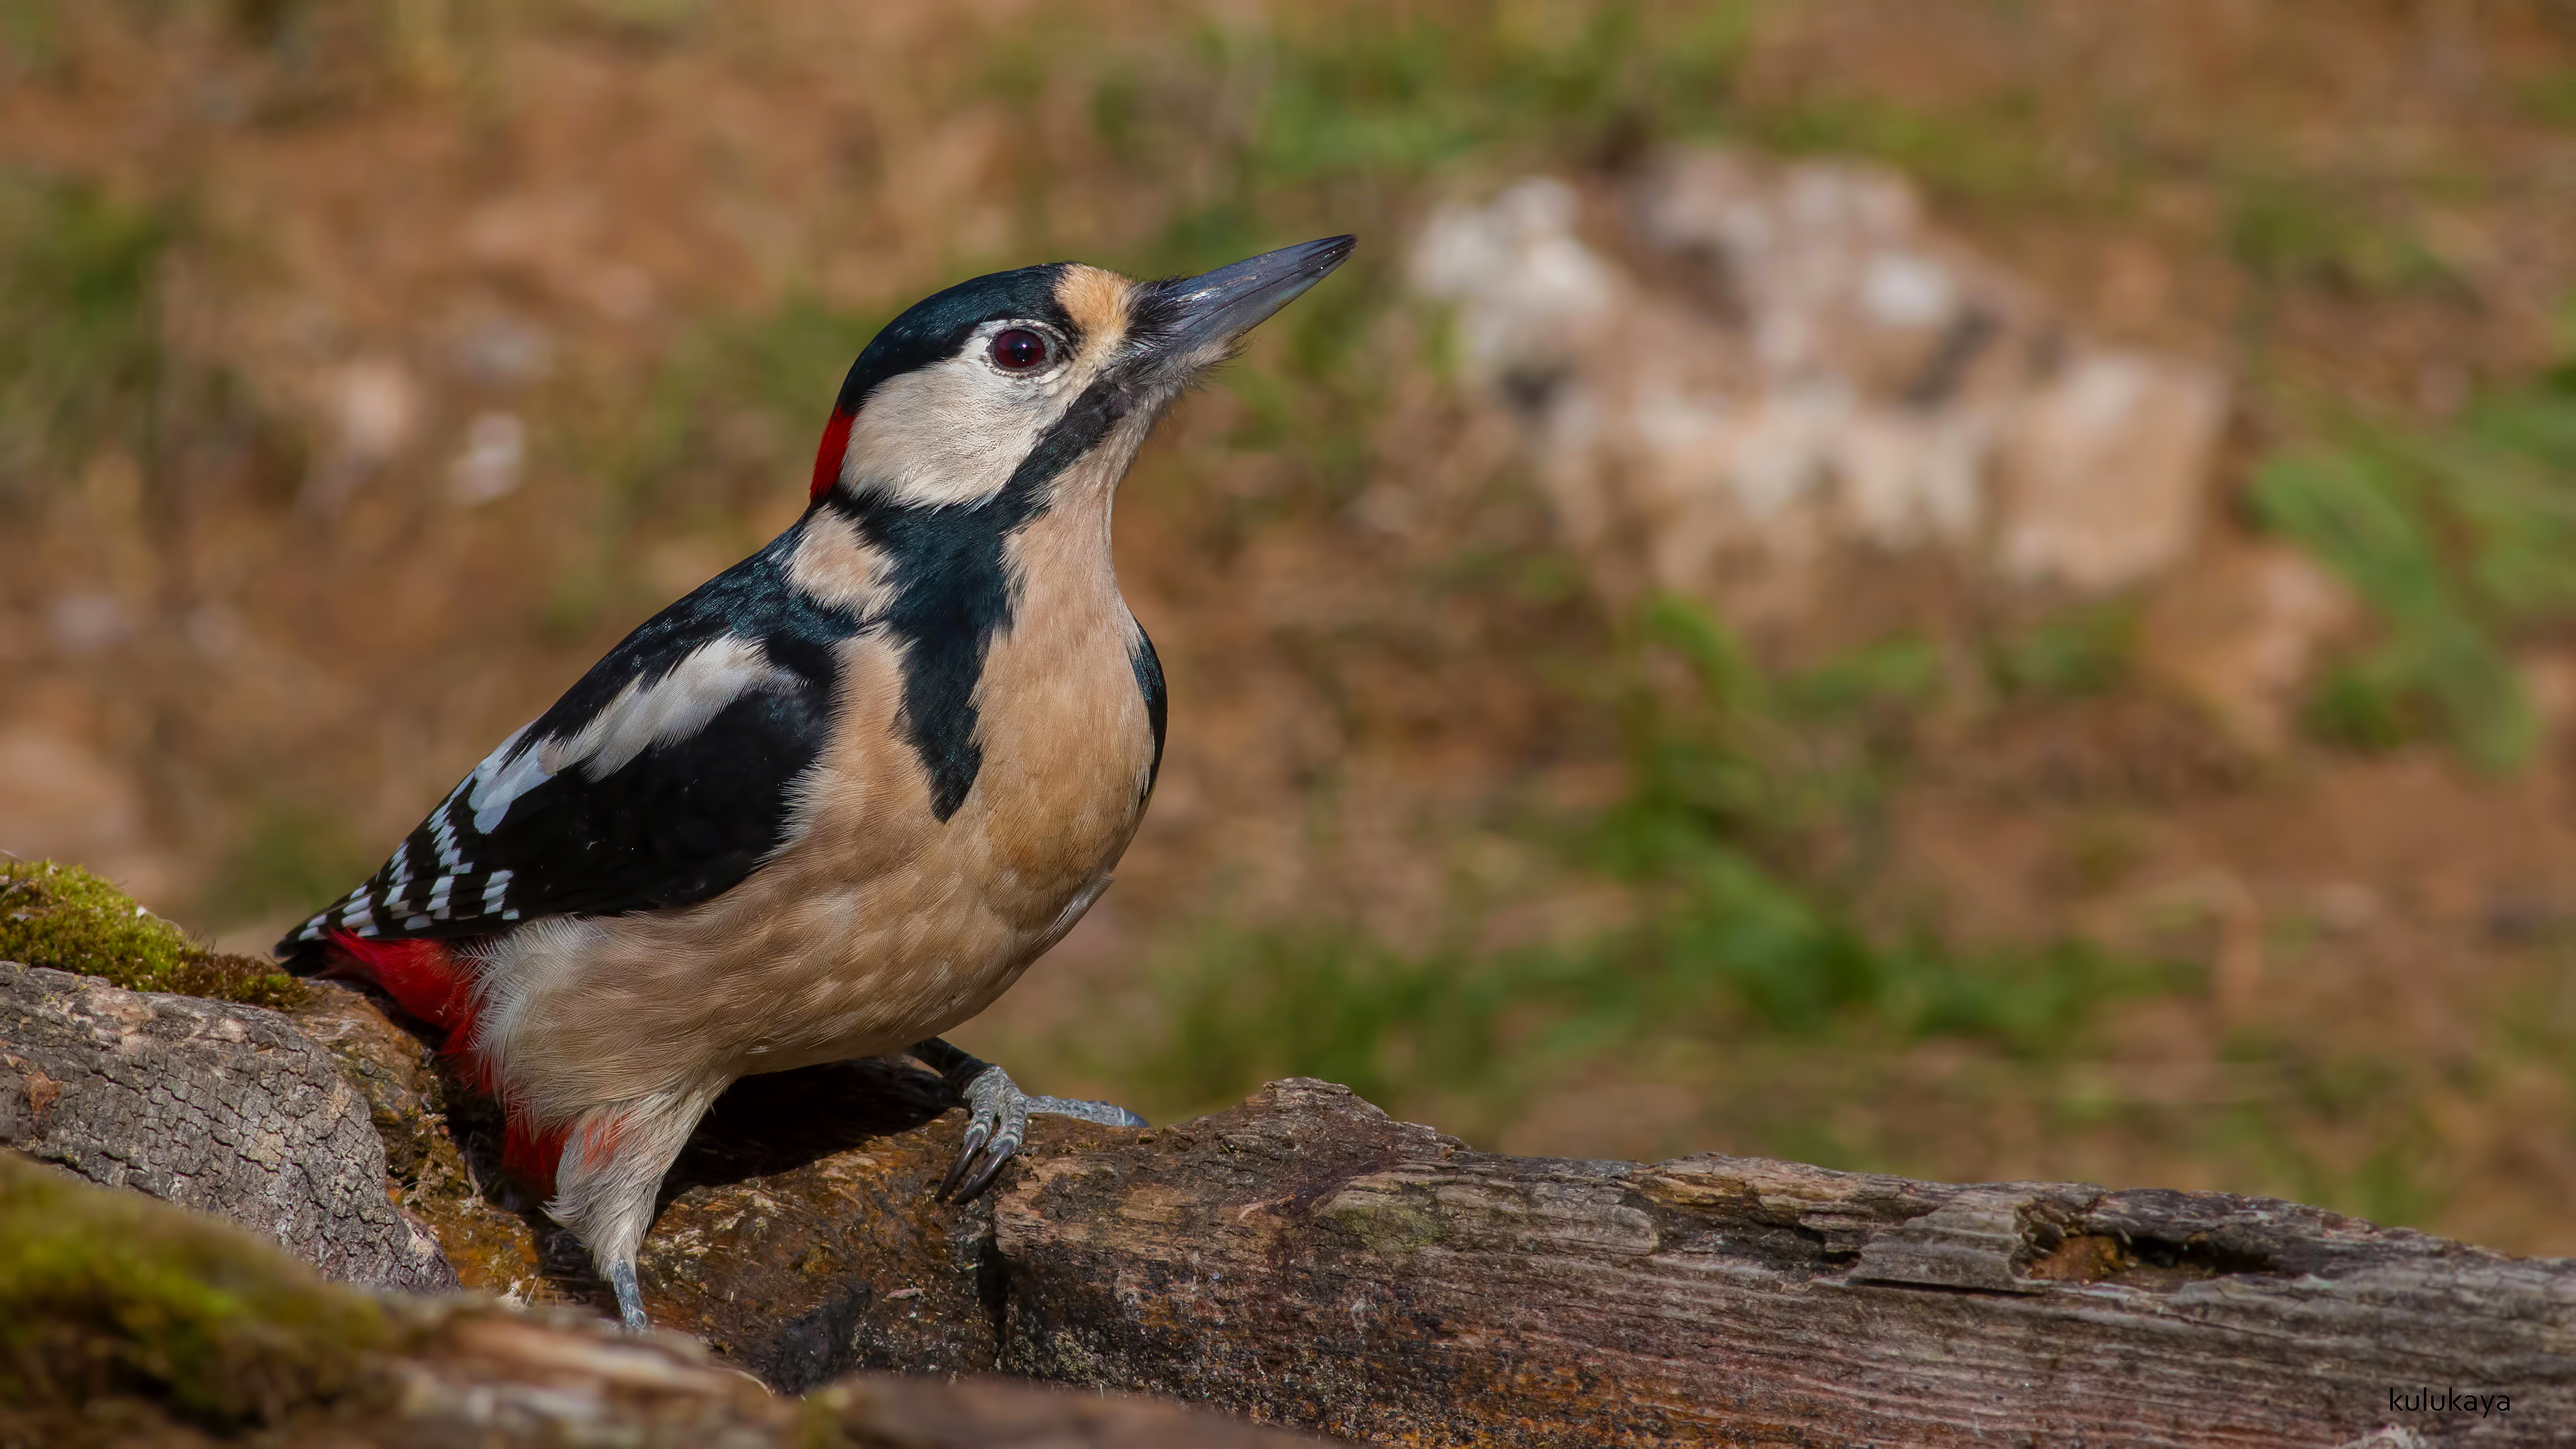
(2291, 230)
(1732, 942)
(2461, 538)
(81, 355)
(1745, 974)
(2083, 649)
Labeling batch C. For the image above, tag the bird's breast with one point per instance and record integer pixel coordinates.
(886, 920)
(1065, 754)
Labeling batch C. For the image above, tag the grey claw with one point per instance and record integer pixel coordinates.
(997, 1124)
(976, 1133)
(995, 1158)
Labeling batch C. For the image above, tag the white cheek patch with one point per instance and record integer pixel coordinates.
(951, 432)
(672, 708)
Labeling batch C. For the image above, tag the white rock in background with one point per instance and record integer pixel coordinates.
(371, 407)
(2103, 468)
(496, 447)
(1517, 256)
(1800, 367)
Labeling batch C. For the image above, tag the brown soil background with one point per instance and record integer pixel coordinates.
(245, 647)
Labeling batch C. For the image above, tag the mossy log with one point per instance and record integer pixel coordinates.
(126, 1323)
(1304, 1260)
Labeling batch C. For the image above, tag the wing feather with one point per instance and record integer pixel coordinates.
(665, 776)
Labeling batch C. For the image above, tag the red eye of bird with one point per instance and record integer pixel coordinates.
(1018, 350)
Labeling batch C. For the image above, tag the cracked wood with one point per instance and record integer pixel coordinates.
(1306, 1260)
(222, 1108)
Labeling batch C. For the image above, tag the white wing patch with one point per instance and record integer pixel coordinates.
(397, 889)
(500, 780)
(672, 708)
(421, 893)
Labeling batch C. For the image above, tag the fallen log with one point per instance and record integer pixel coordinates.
(1304, 1260)
(127, 1323)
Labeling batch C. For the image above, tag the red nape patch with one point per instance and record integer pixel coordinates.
(829, 453)
(530, 1155)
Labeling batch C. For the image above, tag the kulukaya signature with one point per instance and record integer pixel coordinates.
(2426, 1399)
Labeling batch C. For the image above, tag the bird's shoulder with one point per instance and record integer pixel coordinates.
(662, 777)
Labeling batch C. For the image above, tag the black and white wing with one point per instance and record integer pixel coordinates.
(663, 778)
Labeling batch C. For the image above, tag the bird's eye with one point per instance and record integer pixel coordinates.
(1018, 350)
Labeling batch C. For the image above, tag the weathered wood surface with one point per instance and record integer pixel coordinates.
(1304, 1259)
(1307, 1261)
(224, 1109)
(125, 1324)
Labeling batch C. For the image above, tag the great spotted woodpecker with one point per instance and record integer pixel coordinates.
(837, 799)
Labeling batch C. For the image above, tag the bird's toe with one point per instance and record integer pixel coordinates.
(1106, 1114)
(997, 1124)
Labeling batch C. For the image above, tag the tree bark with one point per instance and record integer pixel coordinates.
(126, 1323)
(221, 1108)
(1304, 1259)
(1307, 1261)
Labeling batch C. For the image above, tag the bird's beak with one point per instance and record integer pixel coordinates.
(1210, 311)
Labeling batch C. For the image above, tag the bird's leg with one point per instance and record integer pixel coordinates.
(998, 1116)
(630, 1298)
(609, 1173)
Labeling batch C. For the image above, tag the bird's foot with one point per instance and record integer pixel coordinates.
(997, 1123)
(630, 1298)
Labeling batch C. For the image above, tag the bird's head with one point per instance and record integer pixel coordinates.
(1018, 383)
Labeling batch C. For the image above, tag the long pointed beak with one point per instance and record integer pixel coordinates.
(1210, 311)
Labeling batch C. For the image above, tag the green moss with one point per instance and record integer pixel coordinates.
(64, 917)
(111, 1295)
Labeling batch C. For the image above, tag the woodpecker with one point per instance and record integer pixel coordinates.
(837, 799)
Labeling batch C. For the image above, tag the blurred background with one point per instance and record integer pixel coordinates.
(1984, 589)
